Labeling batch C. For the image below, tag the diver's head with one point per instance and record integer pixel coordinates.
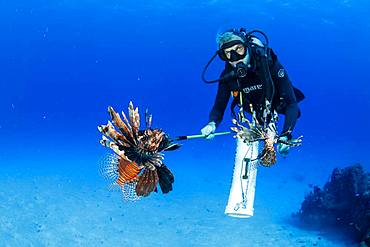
(235, 48)
(232, 47)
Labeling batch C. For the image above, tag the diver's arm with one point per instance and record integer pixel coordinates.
(285, 92)
(291, 115)
(219, 107)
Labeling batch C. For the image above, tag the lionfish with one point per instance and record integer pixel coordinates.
(266, 133)
(137, 165)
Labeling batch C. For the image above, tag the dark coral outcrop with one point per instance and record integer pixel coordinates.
(344, 202)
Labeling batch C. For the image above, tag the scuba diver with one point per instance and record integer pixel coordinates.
(252, 75)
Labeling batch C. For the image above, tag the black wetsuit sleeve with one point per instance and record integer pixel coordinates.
(222, 98)
(285, 94)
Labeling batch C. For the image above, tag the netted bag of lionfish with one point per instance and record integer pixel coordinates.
(136, 165)
(266, 135)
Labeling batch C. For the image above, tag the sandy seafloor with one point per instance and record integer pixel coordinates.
(65, 202)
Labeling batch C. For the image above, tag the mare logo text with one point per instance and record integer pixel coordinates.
(252, 88)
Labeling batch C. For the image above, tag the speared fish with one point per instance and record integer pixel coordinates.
(137, 163)
(266, 133)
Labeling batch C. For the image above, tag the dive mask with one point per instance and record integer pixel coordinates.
(238, 52)
(232, 55)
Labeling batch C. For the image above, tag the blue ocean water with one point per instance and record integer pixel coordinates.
(63, 62)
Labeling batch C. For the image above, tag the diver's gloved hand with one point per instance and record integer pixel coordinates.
(208, 130)
(283, 148)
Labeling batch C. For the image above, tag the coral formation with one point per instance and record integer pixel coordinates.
(344, 202)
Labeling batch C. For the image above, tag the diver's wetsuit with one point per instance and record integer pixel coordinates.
(255, 90)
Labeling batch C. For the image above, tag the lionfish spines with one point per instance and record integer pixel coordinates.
(139, 157)
(117, 120)
(235, 129)
(134, 118)
(105, 142)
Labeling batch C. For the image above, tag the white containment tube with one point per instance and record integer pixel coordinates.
(243, 185)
